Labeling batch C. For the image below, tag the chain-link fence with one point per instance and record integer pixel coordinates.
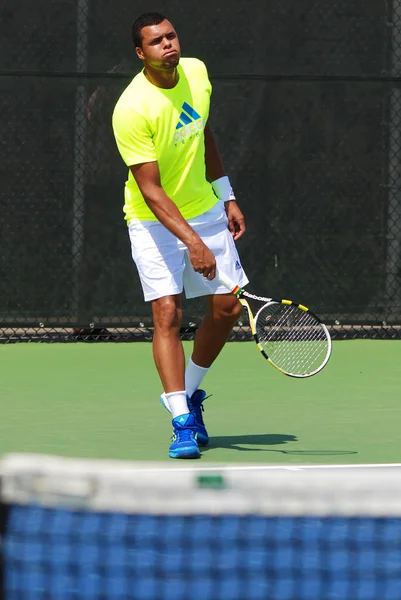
(307, 113)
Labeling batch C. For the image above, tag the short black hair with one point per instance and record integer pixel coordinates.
(144, 20)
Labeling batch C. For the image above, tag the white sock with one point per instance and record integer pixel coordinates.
(177, 401)
(194, 376)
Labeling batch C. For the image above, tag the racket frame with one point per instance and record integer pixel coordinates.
(241, 294)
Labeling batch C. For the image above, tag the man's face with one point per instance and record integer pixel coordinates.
(160, 46)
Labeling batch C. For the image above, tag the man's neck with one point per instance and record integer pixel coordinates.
(163, 79)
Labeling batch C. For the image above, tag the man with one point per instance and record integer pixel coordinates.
(180, 225)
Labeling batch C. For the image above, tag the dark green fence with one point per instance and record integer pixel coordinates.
(307, 113)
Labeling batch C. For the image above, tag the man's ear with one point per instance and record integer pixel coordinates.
(139, 53)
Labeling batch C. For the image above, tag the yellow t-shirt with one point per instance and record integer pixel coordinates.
(167, 126)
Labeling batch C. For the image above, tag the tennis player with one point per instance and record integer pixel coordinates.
(182, 216)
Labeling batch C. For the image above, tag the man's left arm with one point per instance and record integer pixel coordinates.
(221, 185)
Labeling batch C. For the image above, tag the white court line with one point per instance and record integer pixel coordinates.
(17, 463)
(265, 468)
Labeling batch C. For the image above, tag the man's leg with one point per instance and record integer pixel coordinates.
(170, 361)
(168, 352)
(223, 311)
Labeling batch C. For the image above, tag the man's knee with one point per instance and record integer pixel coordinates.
(167, 313)
(227, 308)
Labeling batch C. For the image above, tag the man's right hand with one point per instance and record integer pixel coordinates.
(147, 176)
(202, 260)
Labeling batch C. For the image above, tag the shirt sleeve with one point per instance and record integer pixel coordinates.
(203, 72)
(133, 137)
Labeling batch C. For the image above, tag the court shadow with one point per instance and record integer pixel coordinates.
(249, 443)
(237, 442)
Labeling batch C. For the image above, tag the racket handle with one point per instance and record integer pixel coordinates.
(226, 281)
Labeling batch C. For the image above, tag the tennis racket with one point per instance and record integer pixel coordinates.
(289, 336)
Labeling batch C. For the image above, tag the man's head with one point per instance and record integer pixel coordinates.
(155, 40)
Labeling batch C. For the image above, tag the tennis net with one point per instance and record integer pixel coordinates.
(109, 530)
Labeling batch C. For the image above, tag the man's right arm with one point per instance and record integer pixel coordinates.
(147, 176)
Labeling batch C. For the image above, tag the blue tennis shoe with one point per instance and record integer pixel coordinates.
(195, 405)
(184, 444)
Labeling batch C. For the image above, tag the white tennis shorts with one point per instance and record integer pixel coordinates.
(162, 259)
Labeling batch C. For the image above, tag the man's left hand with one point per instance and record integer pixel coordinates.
(236, 221)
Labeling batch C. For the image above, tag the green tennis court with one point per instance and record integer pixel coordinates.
(101, 401)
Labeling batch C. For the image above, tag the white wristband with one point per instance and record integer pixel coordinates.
(222, 188)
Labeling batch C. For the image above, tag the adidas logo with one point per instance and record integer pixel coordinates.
(189, 123)
(237, 265)
(187, 116)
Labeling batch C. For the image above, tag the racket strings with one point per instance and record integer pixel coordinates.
(299, 351)
(293, 339)
(301, 357)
